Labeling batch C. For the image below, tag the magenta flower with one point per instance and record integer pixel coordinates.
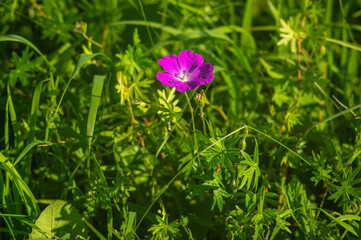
(185, 72)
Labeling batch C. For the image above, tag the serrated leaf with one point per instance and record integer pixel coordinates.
(219, 194)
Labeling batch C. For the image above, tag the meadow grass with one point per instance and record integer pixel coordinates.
(93, 146)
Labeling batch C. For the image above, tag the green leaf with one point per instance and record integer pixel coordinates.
(340, 221)
(344, 44)
(98, 82)
(252, 173)
(16, 38)
(270, 71)
(219, 194)
(132, 219)
(83, 59)
(34, 110)
(105, 186)
(22, 188)
(150, 24)
(28, 148)
(281, 95)
(58, 218)
(10, 108)
(247, 40)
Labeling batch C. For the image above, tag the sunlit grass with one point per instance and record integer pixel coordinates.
(93, 146)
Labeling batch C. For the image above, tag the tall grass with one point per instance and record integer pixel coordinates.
(93, 146)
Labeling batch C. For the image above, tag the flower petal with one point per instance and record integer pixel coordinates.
(183, 86)
(188, 61)
(167, 79)
(202, 75)
(172, 81)
(185, 72)
(170, 64)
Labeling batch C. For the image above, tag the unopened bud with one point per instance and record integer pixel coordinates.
(244, 144)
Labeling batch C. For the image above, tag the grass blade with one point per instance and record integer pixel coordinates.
(185, 166)
(339, 221)
(107, 194)
(95, 231)
(98, 82)
(34, 110)
(16, 38)
(247, 41)
(344, 44)
(84, 59)
(339, 114)
(28, 148)
(264, 134)
(23, 189)
(156, 25)
(11, 109)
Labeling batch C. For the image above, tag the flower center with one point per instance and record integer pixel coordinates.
(184, 75)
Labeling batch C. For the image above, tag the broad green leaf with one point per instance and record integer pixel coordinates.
(58, 218)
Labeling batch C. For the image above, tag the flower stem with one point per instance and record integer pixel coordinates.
(203, 122)
(194, 128)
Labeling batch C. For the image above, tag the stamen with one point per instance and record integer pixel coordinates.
(183, 76)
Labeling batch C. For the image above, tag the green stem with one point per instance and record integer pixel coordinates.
(296, 154)
(194, 128)
(185, 166)
(202, 115)
(203, 122)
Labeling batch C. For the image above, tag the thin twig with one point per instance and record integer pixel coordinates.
(92, 41)
(38, 8)
(299, 75)
(323, 200)
(50, 144)
(130, 104)
(339, 102)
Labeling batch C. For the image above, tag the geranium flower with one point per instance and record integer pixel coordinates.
(185, 72)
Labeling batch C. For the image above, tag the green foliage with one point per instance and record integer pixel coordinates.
(165, 229)
(91, 142)
(23, 68)
(250, 172)
(59, 219)
(168, 106)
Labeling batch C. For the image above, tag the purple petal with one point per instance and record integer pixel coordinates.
(188, 61)
(184, 86)
(170, 64)
(167, 79)
(172, 81)
(185, 72)
(202, 75)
